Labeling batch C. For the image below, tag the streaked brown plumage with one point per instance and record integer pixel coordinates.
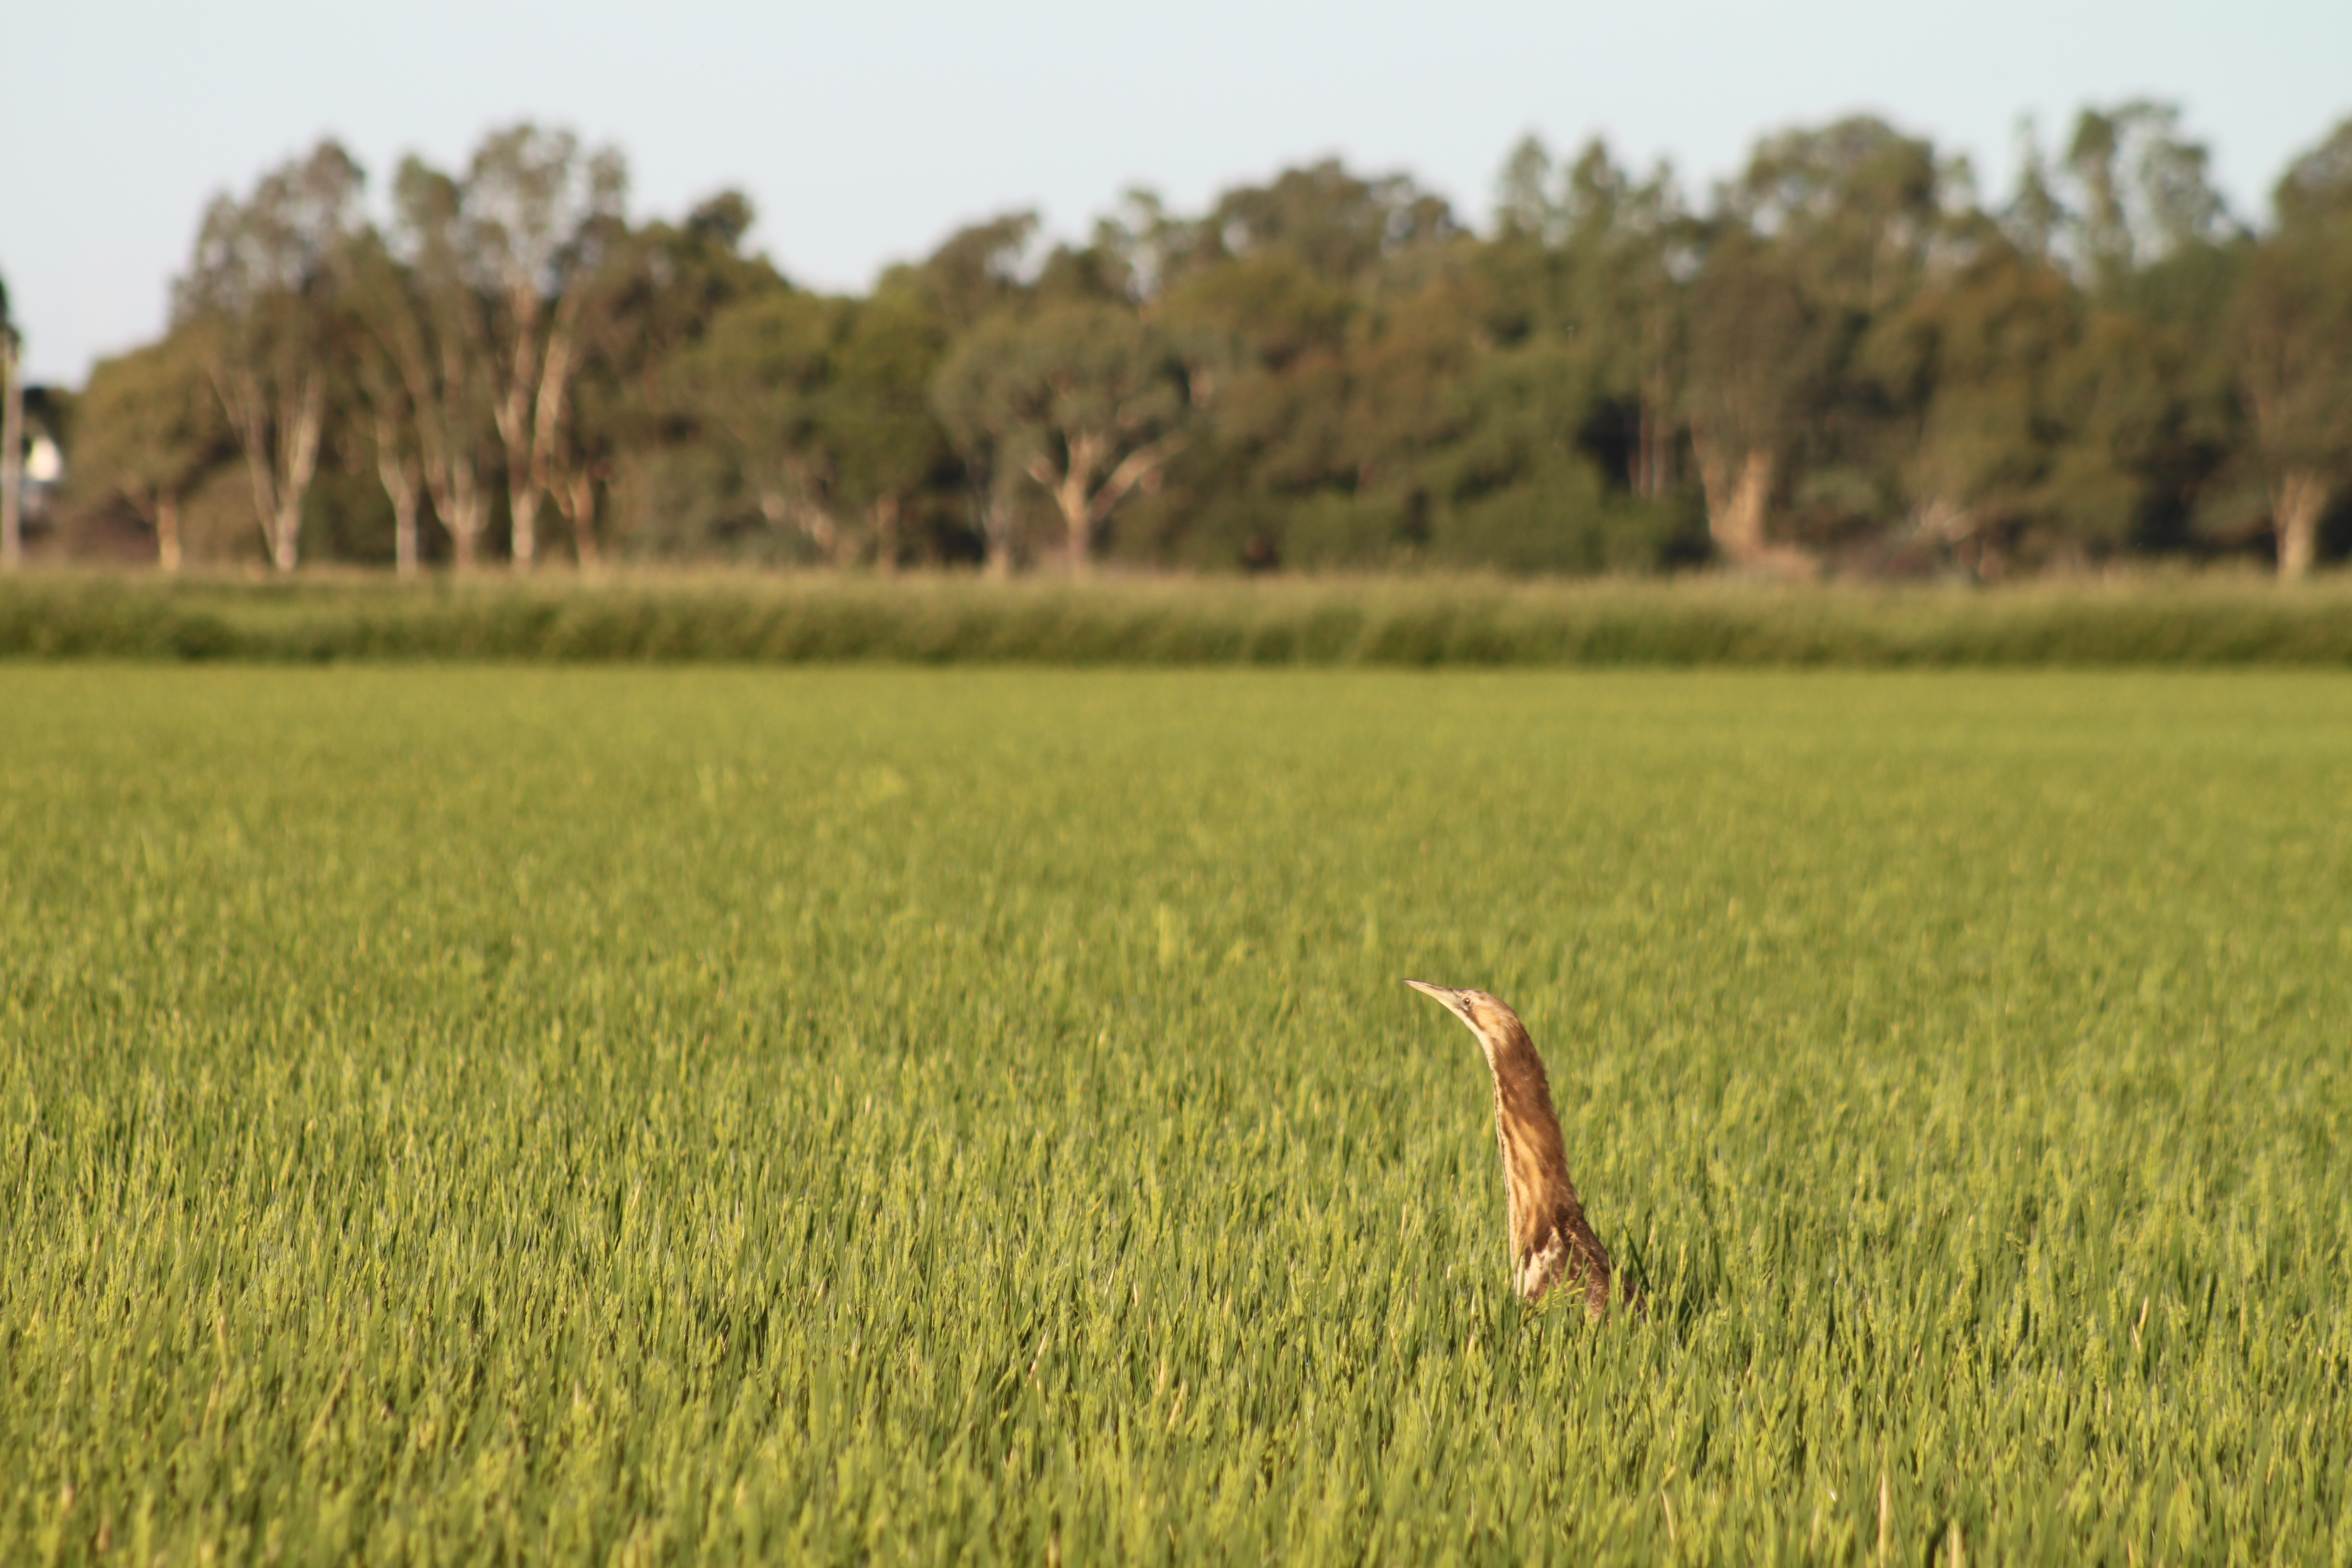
(1550, 1237)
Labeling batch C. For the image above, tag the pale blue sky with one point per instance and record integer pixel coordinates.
(865, 131)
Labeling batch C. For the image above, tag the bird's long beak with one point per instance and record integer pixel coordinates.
(1446, 995)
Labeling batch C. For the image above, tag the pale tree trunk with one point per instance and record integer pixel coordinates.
(512, 413)
(167, 532)
(2298, 502)
(808, 491)
(576, 498)
(159, 510)
(776, 508)
(448, 449)
(465, 542)
(252, 440)
(403, 522)
(1068, 489)
(403, 535)
(782, 508)
(299, 455)
(445, 446)
(522, 513)
(403, 482)
(882, 518)
(1083, 506)
(12, 452)
(530, 415)
(1944, 519)
(285, 543)
(1654, 453)
(547, 424)
(1656, 456)
(1955, 524)
(1737, 493)
(996, 536)
(457, 499)
(824, 531)
(279, 470)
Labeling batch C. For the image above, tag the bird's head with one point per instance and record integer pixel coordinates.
(1489, 1017)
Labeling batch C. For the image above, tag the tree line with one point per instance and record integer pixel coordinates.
(1846, 359)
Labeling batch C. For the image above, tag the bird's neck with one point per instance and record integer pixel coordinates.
(1523, 1108)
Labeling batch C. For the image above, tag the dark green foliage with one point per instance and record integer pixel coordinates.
(1843, 362)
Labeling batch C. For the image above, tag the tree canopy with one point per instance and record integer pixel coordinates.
(1844, 359)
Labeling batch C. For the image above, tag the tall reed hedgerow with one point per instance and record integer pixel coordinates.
(1372, 621)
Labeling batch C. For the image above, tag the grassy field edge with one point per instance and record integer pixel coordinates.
(1175, 621)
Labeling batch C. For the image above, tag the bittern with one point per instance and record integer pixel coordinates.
(1549, 1236)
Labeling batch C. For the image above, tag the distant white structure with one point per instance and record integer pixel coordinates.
(40, 473)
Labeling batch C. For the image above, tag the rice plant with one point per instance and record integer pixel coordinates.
(466, 1113)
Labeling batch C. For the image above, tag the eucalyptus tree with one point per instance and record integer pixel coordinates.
(1614, 253)
(2292, 333)
(596, 417)
(979, 271)
(1974, 366)
(1858, 203)
(1411, 349)
(1825, 232)
(259, 296)
(821, 404)
(539, 215)
(1632, 242)
(2035, 216)
(2126, 208)
(588, 448)
(1087, 399)
(1339, 224)
(148, 428)
(758, 383)
(641, 436)
(426, 321)
(1302, 311)
(2134, 190)
(384, 312)
(1267, 338)
(1144, 248)
(886, 444)
(2117, 438)
(1759, 361)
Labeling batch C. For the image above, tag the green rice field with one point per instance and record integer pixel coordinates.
(506, 1114)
